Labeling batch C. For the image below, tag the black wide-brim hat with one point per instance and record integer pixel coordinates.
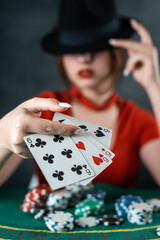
(86, 26)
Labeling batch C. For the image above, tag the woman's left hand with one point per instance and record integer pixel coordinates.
(142, 57)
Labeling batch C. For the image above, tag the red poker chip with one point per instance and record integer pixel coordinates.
(35, 196)
(26, 206)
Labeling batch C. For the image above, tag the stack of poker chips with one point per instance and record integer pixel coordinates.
(155, 202)
(122, 204)
(89, 207)
(58, 199)
(41, 210)
(140, 213)
(77, 191)
(35, 196)
(60, 221)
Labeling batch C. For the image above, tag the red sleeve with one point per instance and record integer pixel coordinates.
(147, 127)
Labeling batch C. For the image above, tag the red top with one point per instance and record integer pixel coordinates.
(136, 126)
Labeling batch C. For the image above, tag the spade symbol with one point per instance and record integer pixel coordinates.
(61, 120)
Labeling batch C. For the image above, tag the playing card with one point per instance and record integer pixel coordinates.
(59, 159)
(87, 134)
(103, 135)
(94, 156)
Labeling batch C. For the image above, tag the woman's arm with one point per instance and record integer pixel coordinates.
(143, 64)
(24, 120)
(9, 167)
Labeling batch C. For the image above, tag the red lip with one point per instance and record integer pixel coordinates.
(85, 73)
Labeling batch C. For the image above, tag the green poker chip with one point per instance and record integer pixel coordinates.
(89, 207)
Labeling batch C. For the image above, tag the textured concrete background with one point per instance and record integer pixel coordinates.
(25, 70)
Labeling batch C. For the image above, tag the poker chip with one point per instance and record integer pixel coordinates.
(122, 204)
(87, 222)
(88, 187)
(54, 228)
(77, 191)
(140, 213)
(158, 231)
(26, 206)
(155, 202)
(59, 199)
(40, 206)
(89, 207)
(99, 195)
(111, 220)
(42, 213)
(59, 221)
(35, 196)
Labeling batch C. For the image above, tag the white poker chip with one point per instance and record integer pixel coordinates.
(141, 206)
(60, 218)
(140, 213)
(158, 231)
(62, 192)
(59, 229)
(87, 221)
(155, 202)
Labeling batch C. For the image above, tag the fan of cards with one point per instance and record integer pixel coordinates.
(69, 159)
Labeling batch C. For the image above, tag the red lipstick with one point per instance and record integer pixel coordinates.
(85, 73)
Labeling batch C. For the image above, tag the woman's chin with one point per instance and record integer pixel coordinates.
(87, 83)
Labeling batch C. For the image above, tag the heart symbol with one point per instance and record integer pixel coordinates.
(97, 160)
(80, 145)
(99, 133)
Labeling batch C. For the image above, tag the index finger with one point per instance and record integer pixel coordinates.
(39, 104)
(142, 32)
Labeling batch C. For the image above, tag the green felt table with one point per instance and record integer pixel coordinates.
(15, 224)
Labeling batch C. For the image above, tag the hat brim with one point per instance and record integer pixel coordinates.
(50, 42)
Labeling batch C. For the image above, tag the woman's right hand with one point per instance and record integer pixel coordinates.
(25, 119)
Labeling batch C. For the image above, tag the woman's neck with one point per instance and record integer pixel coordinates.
(98, 95)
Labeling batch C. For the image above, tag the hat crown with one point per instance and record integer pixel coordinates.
(85, 14)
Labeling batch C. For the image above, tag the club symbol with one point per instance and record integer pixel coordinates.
(58, 175)
(77, 169)
(83, 127)
(48, 158)
(67, 153)
(99, 133)
(58, 138)
(40, 143)
(85, 166)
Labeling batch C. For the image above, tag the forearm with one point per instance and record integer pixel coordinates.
(4, 156)
(154, 96)
(9, 167)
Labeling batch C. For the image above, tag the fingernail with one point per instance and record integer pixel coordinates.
(132, 21)
(125, 72)
(64, 104)
(78, 132)
(112, 41)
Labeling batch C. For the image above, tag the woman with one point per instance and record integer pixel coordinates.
(91, 58)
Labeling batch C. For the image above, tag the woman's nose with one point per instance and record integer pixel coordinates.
(85, 58)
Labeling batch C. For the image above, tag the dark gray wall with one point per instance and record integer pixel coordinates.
(25, 70)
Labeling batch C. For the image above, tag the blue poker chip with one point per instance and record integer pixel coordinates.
(99, 195)
(122, 204)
